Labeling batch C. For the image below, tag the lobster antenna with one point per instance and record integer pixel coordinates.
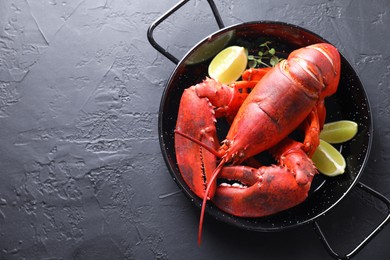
(205, 198)
(208, 148)
(210, 183)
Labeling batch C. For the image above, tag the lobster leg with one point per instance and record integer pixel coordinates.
(268, 189)
(254, 74)
(321, 110)
(311, 127)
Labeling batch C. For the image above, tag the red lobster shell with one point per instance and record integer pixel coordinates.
(284, 98)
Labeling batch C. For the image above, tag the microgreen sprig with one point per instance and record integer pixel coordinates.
(265, 53)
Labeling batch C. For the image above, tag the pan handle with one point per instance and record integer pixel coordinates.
(374, 232)
(169, 13)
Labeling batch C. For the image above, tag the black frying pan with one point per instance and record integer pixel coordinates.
(349, 103)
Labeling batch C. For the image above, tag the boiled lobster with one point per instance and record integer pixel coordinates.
(287, 97)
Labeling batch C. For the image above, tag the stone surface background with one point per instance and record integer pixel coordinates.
(81, 173)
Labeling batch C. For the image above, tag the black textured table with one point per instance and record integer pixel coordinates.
(81, 171)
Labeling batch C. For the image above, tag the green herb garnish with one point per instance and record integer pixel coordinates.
(265, 53)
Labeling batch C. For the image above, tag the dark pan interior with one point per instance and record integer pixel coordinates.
(350, 103)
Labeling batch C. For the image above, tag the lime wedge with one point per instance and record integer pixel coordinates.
(339, 131)
(328, 160)
(229, 64)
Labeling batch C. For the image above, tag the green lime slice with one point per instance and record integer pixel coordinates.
(328, 160)
(229, 64)
(339, 131)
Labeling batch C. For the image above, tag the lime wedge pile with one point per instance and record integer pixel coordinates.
(327, 159)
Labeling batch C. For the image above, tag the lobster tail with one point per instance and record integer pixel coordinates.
(324, 60)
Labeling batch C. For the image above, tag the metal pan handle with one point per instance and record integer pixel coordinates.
(169, 13)
(368, 238)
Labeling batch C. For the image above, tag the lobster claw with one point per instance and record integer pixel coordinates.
(189, 153)
(268, 189)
